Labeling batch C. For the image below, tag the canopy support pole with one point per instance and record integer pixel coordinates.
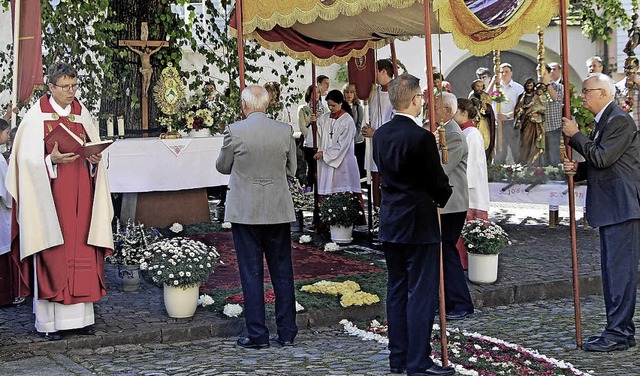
(564, 52)
(16, 62)
(314, 131)
(394, 58)
(432, 126)
(239, 20)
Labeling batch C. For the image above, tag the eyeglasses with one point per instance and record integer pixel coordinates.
(586, 91)
(72, 87)
(421, 95)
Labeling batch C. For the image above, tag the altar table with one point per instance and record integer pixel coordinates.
(553, 194)
(160, 187)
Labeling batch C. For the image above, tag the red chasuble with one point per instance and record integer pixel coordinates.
(74, 271)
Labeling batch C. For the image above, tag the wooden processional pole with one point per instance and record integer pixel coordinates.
(564, 52)
(239, 21)
(432, 126)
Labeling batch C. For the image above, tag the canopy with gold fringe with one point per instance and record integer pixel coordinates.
(333, 31)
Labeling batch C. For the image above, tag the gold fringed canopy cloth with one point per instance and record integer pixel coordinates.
(481, 26)
(333, 31)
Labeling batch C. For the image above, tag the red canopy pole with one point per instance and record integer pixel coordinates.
(240, 43)
(432, 126)
(394, 58)
(564, 52)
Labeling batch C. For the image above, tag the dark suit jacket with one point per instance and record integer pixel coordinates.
(413, 182)
(611, 167)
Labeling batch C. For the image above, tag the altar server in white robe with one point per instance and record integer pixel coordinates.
(337, 164)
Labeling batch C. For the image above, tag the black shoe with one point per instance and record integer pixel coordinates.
(604, 345)
(52, 336)
(453, 316)
(281, 342)
(631, 340)
(435, 370)
(249, 344)
(86, 331)
(397, 370)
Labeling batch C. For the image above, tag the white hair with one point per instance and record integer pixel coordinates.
(450, 100)
(255, 98)
(604, 81)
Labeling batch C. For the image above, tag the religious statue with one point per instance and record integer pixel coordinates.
(145, 60)
(529, 119)
(634, 37)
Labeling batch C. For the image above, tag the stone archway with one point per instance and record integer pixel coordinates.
(464, 73)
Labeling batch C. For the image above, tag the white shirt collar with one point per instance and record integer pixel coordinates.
(58, 109)
(599, 115)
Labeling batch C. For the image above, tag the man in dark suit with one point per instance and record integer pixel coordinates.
(612, 170)
(413, 186)
(259, 153)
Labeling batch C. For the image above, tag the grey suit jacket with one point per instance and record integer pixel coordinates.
(258, 153)
(611, 167)
(456, 169)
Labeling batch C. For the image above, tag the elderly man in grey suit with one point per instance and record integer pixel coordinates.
(259, 153)
(612, 170)
(458, 302)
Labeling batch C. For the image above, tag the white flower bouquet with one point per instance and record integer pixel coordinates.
(130, 240)
(341, 209)
(179, 262)
(484, 237)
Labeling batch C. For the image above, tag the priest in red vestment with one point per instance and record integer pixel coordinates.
(62, 217)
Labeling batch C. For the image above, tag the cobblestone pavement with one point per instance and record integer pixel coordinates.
(135, 336)
(546, 326)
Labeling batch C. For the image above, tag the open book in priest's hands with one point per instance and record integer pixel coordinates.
(69, 142)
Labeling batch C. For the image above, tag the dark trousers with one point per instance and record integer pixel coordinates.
(412, 298)
(359, 151)
(312, 166)
(456, 291)
(552, 147)
(619, 255)
(274, 241)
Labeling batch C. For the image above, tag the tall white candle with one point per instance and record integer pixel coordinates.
(110, 126)
(121, 126)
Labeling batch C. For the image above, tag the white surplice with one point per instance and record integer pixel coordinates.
(338, 168)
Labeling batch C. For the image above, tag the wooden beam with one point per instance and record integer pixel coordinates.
(143, 43)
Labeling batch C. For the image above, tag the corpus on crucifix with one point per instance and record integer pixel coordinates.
(145, 48)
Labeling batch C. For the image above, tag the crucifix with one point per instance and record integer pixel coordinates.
(145, 48)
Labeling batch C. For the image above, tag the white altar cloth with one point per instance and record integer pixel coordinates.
(552, 194)
(147, 165)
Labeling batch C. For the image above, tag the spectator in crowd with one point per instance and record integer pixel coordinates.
(552, 114)
(305, 120)
(259, 153)
(612, 171)
(414, 185)
(595, 65)
(351, 97)
(555, 72)
(277, 109)
(458, 302)
(628, 90)
(484, 74)
(477, 178)
(323, 83)
(380, 112)
(510, 143)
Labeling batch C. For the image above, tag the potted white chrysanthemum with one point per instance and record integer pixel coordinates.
(483, 240)
(341, 211)
(180, 265)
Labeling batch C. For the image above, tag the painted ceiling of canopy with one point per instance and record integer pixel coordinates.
(332, 31)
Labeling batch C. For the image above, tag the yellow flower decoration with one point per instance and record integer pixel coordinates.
(358, 298)
(349, 290)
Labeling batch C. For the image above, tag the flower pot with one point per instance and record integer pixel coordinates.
(483, 268)
(181, 302)
(129, 276)
(341, 234)
(205, 132)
